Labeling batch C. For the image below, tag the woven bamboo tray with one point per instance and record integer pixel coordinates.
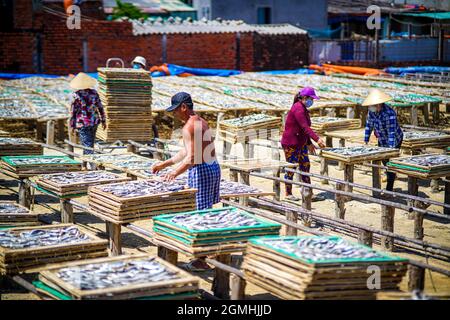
(378, 154)
(19, 147)
(414, 170)
(18, 215)
(184, 283)
(28, 259)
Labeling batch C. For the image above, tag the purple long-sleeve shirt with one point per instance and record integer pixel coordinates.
(297, 130)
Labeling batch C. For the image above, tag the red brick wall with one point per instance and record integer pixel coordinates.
(16, 52)
(246, 52)
(23, 14)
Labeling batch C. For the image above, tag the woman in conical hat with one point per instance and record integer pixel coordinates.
(383, 121)
(87, 110)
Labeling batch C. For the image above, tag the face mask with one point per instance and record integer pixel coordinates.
(136, 66)
(309, 103)
(373, 108)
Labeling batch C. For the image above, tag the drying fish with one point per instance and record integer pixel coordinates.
(353, 151)
(231, 187)
(248, 120)
(78, 177)
(431, 160)
(116, 274)
(41, 237)
(134, 165)
(319, 249)
(6, 208)
(410, 135)
(215, 220)
(39, 161)
(9, 141)
(140, 188)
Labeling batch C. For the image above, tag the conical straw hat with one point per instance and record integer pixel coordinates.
(82, 81)
(375, 97)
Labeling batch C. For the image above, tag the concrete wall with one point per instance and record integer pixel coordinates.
(305, 13)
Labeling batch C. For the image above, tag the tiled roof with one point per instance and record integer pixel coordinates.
(360, 6)
(177, 25)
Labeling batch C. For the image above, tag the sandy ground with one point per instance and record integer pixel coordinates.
(363, 213)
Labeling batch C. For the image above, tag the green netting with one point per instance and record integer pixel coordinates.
(6, 227)
(385, 258)
(75, 195)
(10, 159)
(63, 296)
(404, 166)
(166, 218)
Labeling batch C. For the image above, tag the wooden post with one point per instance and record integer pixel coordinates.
(414, 118)
(249, 149)
(245, 178)
(115, 238)
(226, 149)
(131, 148)
(341, 145)
(413, 189)
(237, 287)
(387, 224)
(221, 281)
(24, 194)
(376, 181)
(233, 175)
(306, 204)
(169, 255)
(350, 113)
(50, 132)
(293, 217)
(416, 278)
(434, 184)
(277, 184)
(324, 170)
(339, 208)
(435, 111)
(243, 200)
(61, 129)
(418, 225)
(365, 237)
(66, 209)
(132, 176)
(70, 149)
(447, 195)
(426, 113)
(348, 176)
(39, 131)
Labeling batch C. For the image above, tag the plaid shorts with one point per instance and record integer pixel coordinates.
(206, 179)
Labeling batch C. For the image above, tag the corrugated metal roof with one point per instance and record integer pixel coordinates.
(431, 15)
(151, 6)
(177, 25)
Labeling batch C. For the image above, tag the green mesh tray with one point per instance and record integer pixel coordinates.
(385, 258)
(166, 218)
(10, 160)
(69, 196)
(63, 296)
(405, 166)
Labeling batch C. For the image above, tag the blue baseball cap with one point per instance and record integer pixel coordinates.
(178, 99)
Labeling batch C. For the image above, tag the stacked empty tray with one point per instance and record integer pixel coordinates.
(126, 95)
(319, 268)
(130, 201)
(212, 231)
(23, 249)
(13, 214)
(249, 127)
(138, 276)
(19, 147)
(27, 166)
(70, 184)
(322, 124)
(427, 166)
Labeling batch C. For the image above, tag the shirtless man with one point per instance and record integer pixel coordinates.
(198, 156)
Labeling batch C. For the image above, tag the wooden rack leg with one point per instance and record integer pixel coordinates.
(426, 113)
(115, 238)
(293, 217)
(237, 287)
(447, 196)
(70, 149)
(61, 129)
(324, 170)
(169, 255)
(413, 189)
(307, 204)
(50, 132)
(226, 149)
(24, 194)
(376, 182)
(66, 209)
(243, 201)
(339, 208)
(365, 237)
(277, 184)
(221, 282)
(39, 131)
(434, 184)
(416, 278)
(387, 224)
(249, 150)
(435, 111)
(245, 178)
(233, 175)
(348, 176)
(418, 225)
(414, 117)
(341, 165)
(131, 148)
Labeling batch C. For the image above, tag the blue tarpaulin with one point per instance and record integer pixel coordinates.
(296, 71)
(13, 76)
(417, 69)
(176, 70)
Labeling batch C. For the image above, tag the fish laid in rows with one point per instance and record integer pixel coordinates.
(16, 141)
(11, 208)
(40, 161)
(41, 237)
(247, 120)
(354, 151)
(326, 119)
(231, 187)
(410, 135)
(135, 164)
(116, 274)
(319, 249)
(214, 220)
(432, 160)
(78, 177)
(140, 188)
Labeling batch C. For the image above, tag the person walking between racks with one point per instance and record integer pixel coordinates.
(198, 157)
(382, 120)
(86, 111)
(297, 136)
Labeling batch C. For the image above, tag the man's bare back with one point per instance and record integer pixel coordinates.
(198, 140)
